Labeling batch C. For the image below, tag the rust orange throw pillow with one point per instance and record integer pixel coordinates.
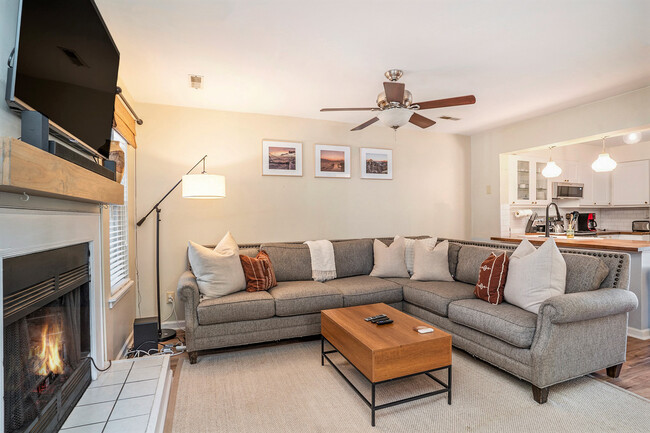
(259, 272)
(492, 278)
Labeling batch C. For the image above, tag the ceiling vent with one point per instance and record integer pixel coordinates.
(449, 118)
(196, 81)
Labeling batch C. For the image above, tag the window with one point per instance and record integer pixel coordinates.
(119, 231)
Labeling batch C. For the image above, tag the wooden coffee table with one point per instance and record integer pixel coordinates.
(382, 353)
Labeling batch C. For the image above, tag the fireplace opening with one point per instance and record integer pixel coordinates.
(46, 337)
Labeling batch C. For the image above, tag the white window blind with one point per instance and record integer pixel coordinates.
(119, 231)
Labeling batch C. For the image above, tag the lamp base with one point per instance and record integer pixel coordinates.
(166, 334)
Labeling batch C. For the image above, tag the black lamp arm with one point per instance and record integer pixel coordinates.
(142, 220)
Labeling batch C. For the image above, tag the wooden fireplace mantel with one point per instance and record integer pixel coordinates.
(28, 169)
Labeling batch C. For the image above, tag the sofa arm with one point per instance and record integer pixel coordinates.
(576, 307)
(188, 289)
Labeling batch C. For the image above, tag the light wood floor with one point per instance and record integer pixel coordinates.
(634, 377)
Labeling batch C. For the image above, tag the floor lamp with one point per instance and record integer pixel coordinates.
(200, 186)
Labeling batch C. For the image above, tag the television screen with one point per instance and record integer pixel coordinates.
(65, 67)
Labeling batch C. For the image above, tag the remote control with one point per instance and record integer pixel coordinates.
(384, 322)
(379, 319)
(379, 316)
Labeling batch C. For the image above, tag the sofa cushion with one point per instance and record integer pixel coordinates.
(434, 296)
(353, 257)
(364, 289)
(236, 307)
(470, 258)
(291, 262)
(303, 297)
(452, 256)
(584, 273)
(506, 322)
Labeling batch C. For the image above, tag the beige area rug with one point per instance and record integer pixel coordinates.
(283, 388)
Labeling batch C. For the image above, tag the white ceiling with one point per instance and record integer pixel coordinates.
(521, 58)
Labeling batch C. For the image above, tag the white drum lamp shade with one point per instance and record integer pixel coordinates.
(204, 186)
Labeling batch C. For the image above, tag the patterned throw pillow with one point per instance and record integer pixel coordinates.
(492, 278)
(259, 272)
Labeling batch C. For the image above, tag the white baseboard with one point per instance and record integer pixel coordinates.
(641, 334)
(125, 347)
(174, 324)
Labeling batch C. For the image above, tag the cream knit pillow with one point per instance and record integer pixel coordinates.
(534, 275)
(431, 262)
(389, 261)
(218, 272)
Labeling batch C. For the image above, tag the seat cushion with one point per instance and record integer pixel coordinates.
(434, 296)
(353, 257)
(304, 297)
(291, 262)
(470, 258)
(364, 289)
(506, 322)
(236, 307)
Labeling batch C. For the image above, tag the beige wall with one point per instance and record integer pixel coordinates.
(429, 193)
(629, 110)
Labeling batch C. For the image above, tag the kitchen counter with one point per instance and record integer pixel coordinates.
(584, 242)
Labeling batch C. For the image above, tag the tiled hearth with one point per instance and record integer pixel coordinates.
(131, 396)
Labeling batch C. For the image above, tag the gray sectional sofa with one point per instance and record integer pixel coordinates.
(577, 333)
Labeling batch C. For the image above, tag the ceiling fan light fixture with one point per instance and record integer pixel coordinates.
(395, 117)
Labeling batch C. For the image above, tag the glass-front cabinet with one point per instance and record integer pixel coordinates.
(527, 184)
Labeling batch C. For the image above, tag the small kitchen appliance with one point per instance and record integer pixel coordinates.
(587, 222)
(641, 226)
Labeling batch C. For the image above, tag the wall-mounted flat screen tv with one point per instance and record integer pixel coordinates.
(65, 66)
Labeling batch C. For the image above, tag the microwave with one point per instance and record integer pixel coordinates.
(567, 190)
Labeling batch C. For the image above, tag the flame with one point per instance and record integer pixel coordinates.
(49, 353)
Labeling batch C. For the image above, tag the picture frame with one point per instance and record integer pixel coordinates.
(376, 163)
(281, 158)
(332, 161)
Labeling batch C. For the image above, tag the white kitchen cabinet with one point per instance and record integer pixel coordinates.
(631, 183)
(585, 176)
(601, 188)
(527, 185)
(569, 172)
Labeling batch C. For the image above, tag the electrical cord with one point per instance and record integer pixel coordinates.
(110, 364)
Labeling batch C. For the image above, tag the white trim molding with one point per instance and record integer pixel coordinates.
(641, 334)
(119, 293)
(174, 324)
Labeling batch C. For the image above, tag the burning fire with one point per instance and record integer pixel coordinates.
(50, 351)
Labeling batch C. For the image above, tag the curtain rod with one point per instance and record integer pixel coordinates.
(137, 119)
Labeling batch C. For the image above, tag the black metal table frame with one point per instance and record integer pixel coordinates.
(371, 404)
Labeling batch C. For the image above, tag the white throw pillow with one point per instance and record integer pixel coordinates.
(431, 262)
(389, 261)
(218, 272)
(534, 275)
(409, 253)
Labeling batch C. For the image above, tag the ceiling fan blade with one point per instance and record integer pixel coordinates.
(449, 102)
(349, 109)
(365, 124)
(421, 121)
(394, 91)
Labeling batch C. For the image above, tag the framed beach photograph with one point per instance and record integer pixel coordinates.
(376, 163)
(281, 158)
(332, 161)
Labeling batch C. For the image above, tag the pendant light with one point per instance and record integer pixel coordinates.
(604, 162)
(551, 169)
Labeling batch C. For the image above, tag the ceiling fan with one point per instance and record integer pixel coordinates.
(395, 105)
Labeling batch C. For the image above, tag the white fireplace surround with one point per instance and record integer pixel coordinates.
(24, 231)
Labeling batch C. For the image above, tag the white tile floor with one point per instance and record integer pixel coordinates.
(121, 399)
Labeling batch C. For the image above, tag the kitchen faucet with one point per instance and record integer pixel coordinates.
(548, 222)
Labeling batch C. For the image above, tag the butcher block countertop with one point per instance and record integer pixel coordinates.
(584, 243)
